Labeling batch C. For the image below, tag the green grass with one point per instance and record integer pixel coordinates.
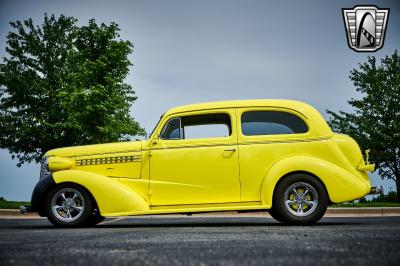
(366, 204)
(5, 204)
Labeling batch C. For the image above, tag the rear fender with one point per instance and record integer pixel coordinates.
(112, 197)
(340, 184)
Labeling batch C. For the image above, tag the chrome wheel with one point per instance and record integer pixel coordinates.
(67, 204)
(301, 199)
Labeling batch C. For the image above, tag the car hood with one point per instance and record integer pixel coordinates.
(76, 151)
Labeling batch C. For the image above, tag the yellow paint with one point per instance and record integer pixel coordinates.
(58, 163)
(366, 168)
(195, 171)
(125, 164)
(229, 173)
(111, 195)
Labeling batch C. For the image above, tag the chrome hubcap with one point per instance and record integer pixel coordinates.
(67, 204)
(301, 199)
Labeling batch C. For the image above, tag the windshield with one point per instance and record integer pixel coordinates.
(155, 126)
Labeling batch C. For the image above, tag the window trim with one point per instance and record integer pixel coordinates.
(165, 126)
(150, 136)
(232, 120)
(266, 109)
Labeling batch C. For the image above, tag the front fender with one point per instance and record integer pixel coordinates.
(39, 195)
(112, 197)
(340, 184)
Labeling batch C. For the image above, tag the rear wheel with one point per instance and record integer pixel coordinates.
(299, 199)
(70, 205)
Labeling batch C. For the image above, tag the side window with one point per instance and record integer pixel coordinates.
(271, 123)
(198, 127)
(206, 126)
(172, 130)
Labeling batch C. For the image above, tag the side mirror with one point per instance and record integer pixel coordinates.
(156, 139)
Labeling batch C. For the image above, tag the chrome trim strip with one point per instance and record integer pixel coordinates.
(108, 160)
(248, 142)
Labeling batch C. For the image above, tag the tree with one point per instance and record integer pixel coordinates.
(375, 123)
(63, 85)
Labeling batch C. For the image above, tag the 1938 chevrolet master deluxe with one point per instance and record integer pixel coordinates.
(275, 155)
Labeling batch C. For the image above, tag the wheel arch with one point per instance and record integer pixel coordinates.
(298, 172)
(111, 196)
(44, 187)
(340, 184)
(92, 198)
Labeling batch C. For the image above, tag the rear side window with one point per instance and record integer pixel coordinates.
(271, 123)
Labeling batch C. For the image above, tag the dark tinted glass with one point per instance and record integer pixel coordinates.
(271, 123)
(172, 129)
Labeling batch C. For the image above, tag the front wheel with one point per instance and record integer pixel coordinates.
(69, 205)
(299, 199)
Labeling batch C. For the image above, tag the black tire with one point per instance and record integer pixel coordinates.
(275, 214)
(306, 204)
(95, 219)
(84, 216)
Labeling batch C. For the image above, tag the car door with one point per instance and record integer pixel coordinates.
(194, 160)
(266, 135)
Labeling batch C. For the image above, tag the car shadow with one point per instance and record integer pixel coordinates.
(210, 222)
(156, 222)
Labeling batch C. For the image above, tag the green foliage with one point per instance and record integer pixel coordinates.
(367, 204)
(63, 85)
(362, 200)
(375, 123)
(5, 204)
(390, 197)
(382, 200)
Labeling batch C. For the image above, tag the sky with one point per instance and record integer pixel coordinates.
(198, 51)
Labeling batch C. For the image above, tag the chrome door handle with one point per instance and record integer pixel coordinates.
(233, 149)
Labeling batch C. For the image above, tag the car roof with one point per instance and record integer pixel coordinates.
(318, 127)
(295, 105)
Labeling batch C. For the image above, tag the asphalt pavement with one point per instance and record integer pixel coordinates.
(203, 241)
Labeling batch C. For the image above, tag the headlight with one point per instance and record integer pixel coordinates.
(44, 169)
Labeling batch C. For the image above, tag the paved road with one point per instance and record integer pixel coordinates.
(203, 241)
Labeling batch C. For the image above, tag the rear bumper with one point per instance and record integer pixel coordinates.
(366, 168)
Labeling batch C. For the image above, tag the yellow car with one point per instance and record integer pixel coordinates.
(276, 155)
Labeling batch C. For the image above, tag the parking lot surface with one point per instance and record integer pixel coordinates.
(202, 241)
